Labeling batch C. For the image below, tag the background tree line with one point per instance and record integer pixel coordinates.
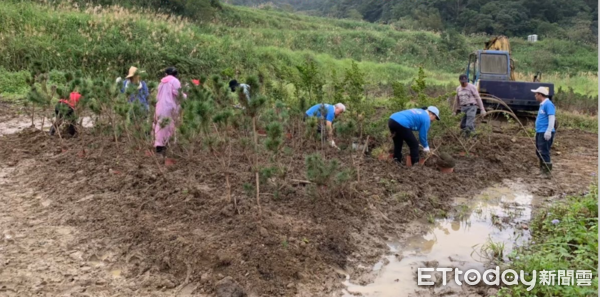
(566, 19)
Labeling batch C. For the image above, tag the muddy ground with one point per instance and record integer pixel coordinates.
(110, 221)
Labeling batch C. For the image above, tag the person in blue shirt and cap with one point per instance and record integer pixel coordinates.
(330, 113)
(544, 128)
(403, 123)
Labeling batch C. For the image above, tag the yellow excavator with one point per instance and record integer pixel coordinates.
(492, 70)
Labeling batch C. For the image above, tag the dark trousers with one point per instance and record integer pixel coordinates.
(543, 147)
(402, 134)
(64, 113)
(318, 124)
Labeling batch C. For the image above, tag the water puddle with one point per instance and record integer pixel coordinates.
(18, 124)
(482, 226)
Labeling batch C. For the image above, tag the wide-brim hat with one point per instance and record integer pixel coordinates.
(132, 72)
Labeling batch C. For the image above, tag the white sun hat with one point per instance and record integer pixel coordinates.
(542, 90)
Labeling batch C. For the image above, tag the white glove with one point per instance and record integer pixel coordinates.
(548, 135)
(119, 79)
(332, 143)
(426, 149)
(483, 112)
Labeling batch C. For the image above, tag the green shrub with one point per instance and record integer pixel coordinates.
(13, 85)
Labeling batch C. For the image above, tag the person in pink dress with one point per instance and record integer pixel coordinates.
(167, 109)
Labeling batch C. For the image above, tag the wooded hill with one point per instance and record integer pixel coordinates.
(569, 19)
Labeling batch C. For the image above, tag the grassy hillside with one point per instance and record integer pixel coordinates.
(237, 40)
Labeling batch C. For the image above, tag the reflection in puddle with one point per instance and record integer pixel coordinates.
(497, 215)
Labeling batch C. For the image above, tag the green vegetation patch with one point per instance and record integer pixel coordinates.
(565, 237)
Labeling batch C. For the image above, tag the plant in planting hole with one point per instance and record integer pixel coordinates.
(110, 106)
(252, 108)
(196, 117)
(220, 92)
(39, 94)
(222, 124)
(325, 173)
(346, 129)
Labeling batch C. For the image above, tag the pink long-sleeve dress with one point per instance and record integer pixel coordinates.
(167, 109)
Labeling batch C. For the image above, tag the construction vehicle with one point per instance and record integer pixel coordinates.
(492, 71)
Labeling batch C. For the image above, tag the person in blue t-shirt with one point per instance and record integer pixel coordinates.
(330, 113)
(544, 128)
(403, 123)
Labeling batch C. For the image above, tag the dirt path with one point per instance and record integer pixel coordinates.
(99, 226)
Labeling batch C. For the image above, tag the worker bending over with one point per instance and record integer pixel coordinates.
(330, 112)
(403, 123)
(544, 128)
(233, 85)
(467, 100)
(65, 111)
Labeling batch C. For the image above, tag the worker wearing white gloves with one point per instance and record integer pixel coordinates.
(403, 123)
(328, 113)
(544, 128)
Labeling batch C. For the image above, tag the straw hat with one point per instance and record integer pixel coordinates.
(132, 72)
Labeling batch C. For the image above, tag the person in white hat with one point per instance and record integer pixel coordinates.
(329, 113)
(403, 123)
(544, 128)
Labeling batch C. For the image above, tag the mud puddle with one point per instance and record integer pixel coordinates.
(18, 124)
(481, 227)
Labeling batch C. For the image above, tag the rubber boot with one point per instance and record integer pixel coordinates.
(547, 169)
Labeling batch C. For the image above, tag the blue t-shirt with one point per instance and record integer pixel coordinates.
(542, 121)
(316, 111)
(415, 119)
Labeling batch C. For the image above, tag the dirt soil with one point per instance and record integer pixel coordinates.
(110, 221)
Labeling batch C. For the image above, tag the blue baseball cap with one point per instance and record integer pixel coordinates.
(435, 111)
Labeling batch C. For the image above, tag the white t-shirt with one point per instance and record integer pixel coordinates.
(246, 89)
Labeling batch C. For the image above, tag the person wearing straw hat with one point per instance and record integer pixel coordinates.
(329, 113)
(544, 128)
(403, 123)
(141, 92)
(467, 100)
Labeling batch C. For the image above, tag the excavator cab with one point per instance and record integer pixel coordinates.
(489, 65)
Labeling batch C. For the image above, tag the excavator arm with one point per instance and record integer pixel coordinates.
(501, 43)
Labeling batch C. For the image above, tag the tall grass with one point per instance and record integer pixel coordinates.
(106, 41)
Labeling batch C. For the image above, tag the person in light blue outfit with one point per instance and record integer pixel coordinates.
(329, 113)
(544, 128)
(403, 123)
(142, 93)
